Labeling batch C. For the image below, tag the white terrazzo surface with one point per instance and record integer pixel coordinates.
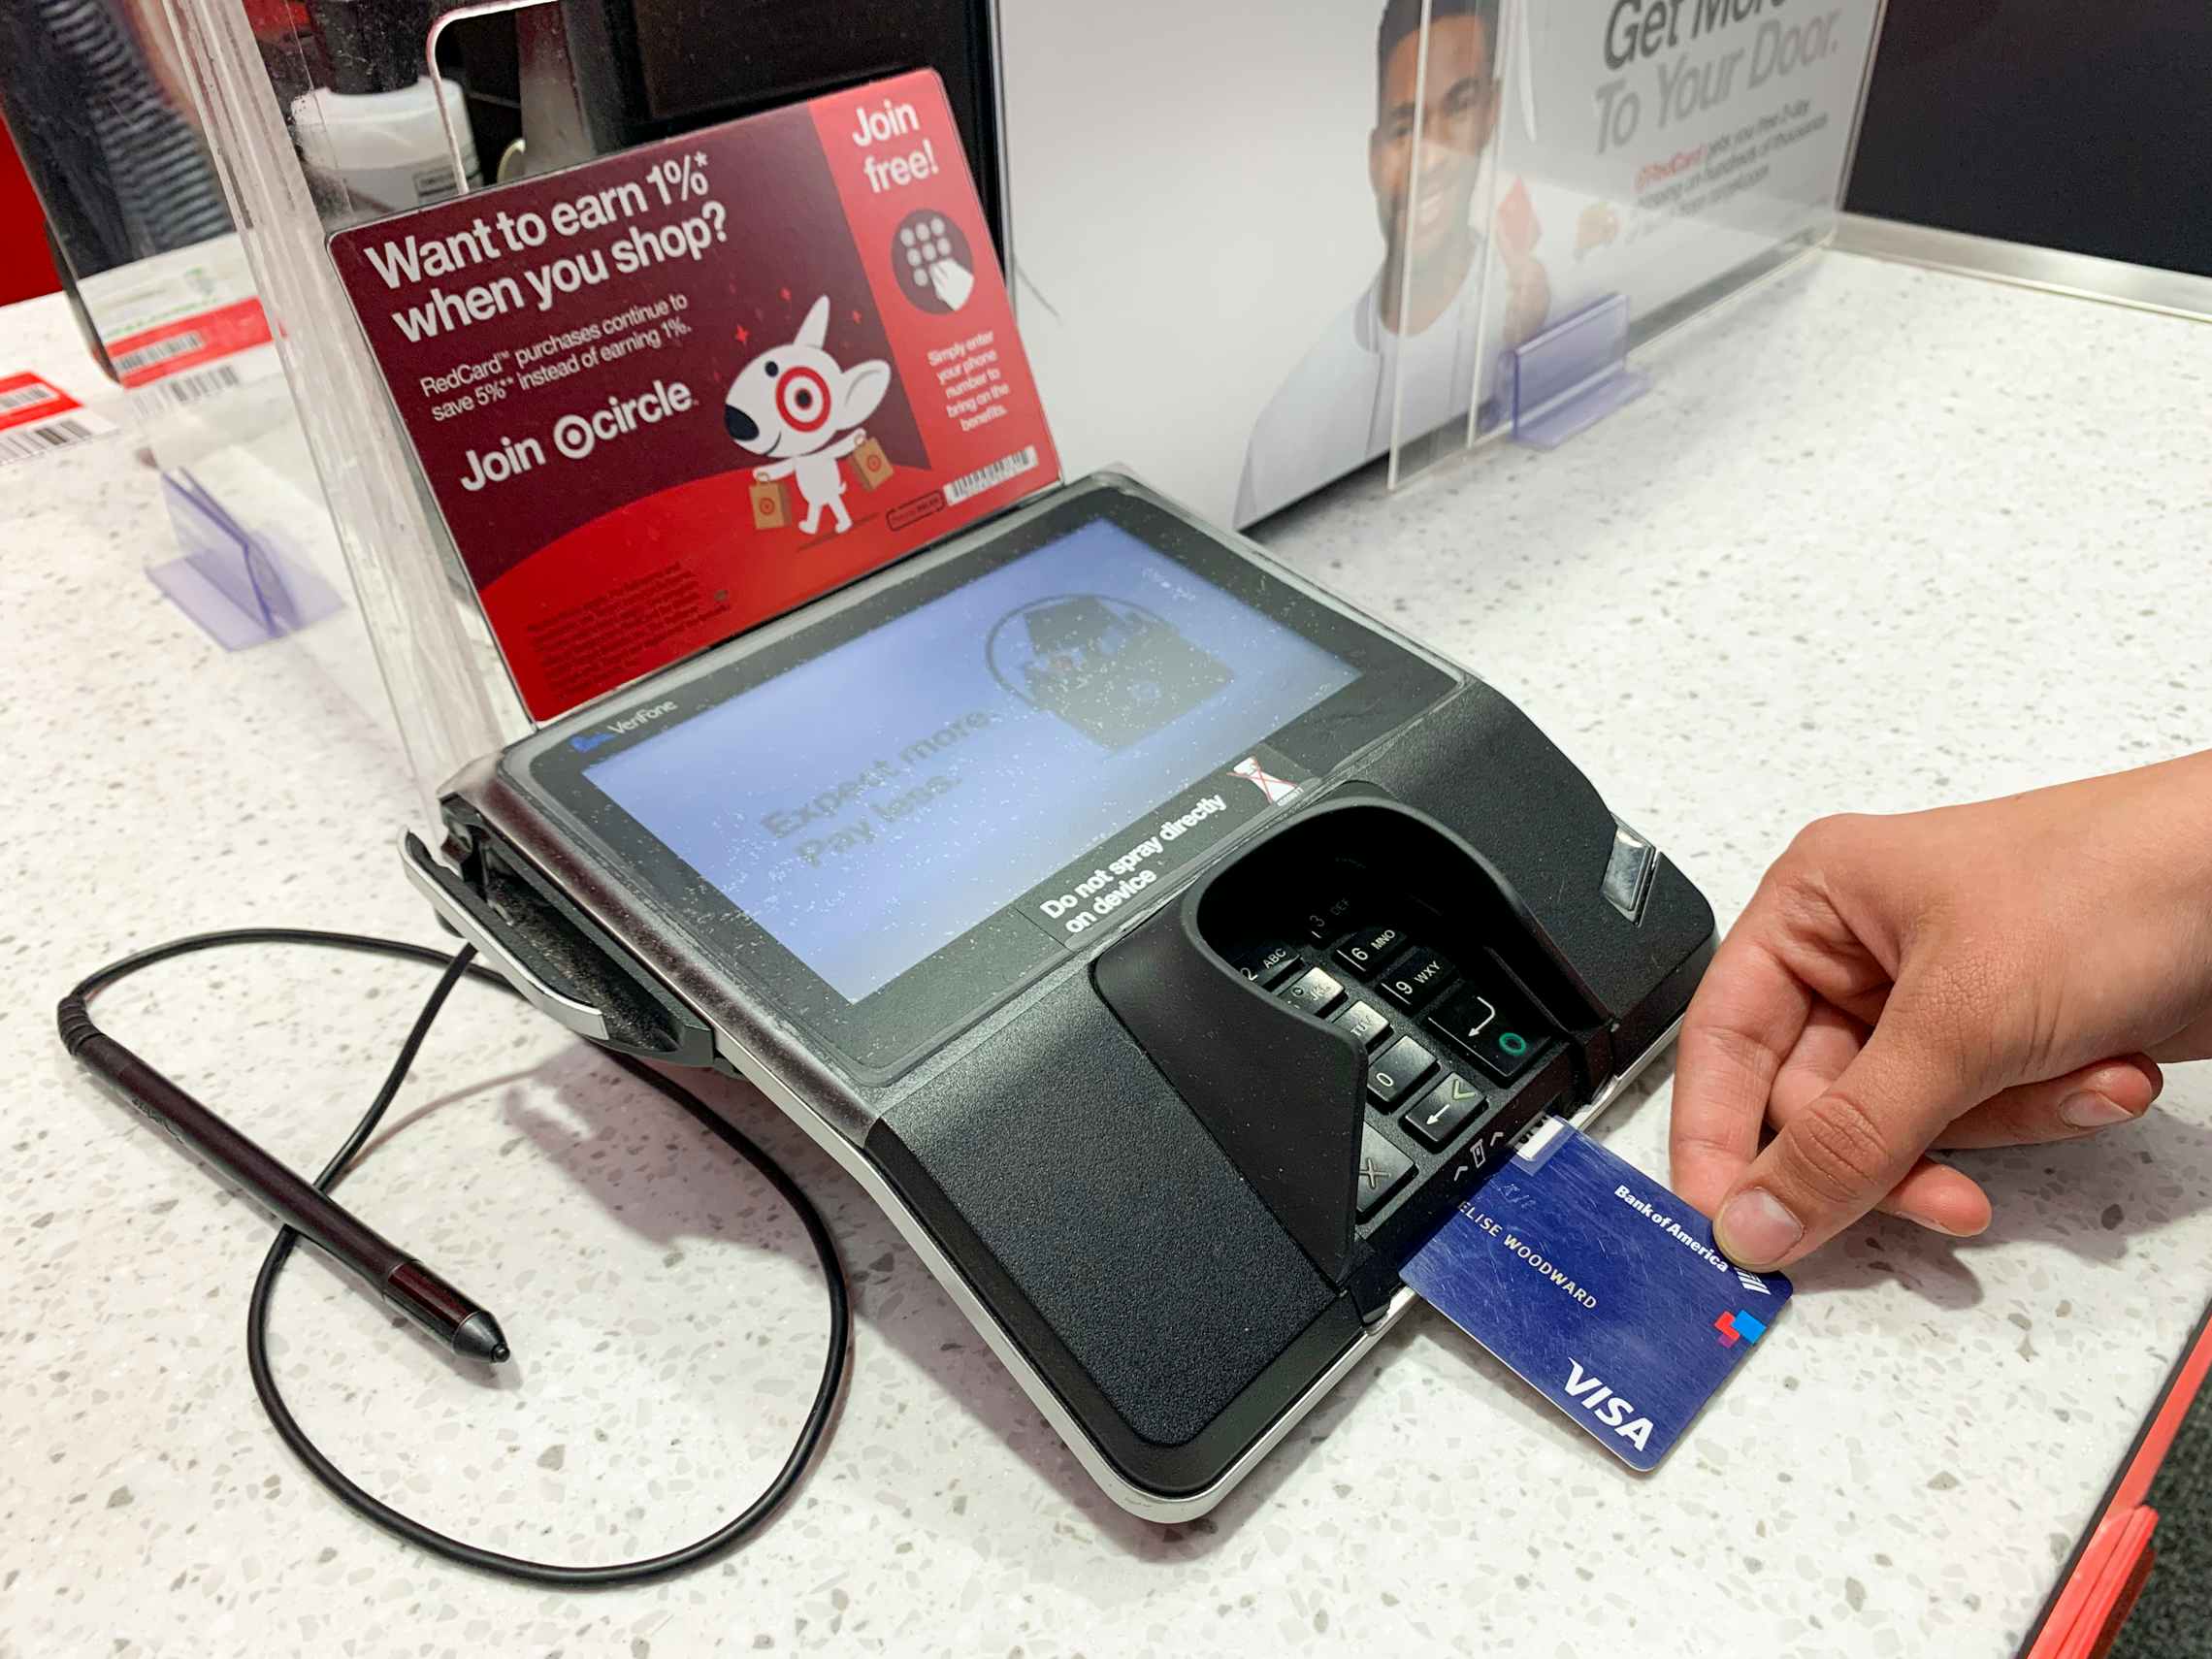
(1877, 539)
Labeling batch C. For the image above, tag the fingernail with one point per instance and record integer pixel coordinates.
(1936, 1226)
(2086, 1109)
(1755, 1228)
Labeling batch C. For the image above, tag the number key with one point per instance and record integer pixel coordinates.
(1367, 949)
(1331, 917)
(1398, 1071)
(1315, 991)
(1365, 1021)
(1414, 978)
(1266, 965)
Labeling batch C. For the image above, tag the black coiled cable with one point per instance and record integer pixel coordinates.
(77, 1024)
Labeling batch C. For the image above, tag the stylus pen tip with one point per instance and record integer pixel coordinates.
(478, 1337)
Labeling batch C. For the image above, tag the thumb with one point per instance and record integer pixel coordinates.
(1840, 1155)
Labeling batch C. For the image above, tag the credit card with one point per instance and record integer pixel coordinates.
(1600, 1288)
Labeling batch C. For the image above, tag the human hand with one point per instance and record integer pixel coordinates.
(1974, 976)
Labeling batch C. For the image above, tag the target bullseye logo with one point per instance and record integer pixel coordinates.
(802, 399)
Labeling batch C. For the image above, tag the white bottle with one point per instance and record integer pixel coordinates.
(371, 140)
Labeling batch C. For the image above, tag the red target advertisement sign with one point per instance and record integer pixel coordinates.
(675, 392)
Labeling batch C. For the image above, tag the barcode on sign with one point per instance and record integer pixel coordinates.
(190, 387)
(159, 352)
(24, 396)
(43, 439)
(997, 473)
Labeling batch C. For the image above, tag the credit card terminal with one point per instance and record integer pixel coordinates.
(1165, 945)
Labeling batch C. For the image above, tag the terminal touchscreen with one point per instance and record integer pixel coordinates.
(888, 817)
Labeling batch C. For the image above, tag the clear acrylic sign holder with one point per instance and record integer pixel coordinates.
(450, 697)
(1642, 162)
(163, 292)
(1445, 290)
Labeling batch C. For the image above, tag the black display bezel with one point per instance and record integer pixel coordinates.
(949, 989)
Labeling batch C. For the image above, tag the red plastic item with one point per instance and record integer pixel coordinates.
(2084, 1618)
(25, 270)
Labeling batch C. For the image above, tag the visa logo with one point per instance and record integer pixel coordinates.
(1608, 1408)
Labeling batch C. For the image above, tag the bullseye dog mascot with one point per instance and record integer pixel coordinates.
(797, 405)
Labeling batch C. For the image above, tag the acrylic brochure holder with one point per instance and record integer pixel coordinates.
(449, 698)
(481, 633)
(1645, 161)
(145, 234)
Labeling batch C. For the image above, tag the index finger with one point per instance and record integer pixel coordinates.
(1741, 1025)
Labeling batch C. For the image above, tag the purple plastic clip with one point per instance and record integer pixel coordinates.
(237, 585)
(1573, 375)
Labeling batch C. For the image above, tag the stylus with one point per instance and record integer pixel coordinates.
(403, 1283)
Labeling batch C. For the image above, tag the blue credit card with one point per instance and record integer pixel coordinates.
(1600, 1287)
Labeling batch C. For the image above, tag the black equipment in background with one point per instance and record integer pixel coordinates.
(2082, 128)
(648, 68)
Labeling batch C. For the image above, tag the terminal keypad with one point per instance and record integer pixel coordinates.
(1445, 1029)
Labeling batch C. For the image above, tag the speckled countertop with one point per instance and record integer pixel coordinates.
(1877, 539)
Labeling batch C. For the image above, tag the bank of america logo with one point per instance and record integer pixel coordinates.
(1739, 1323)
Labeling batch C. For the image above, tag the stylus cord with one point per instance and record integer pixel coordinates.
(456, 966)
